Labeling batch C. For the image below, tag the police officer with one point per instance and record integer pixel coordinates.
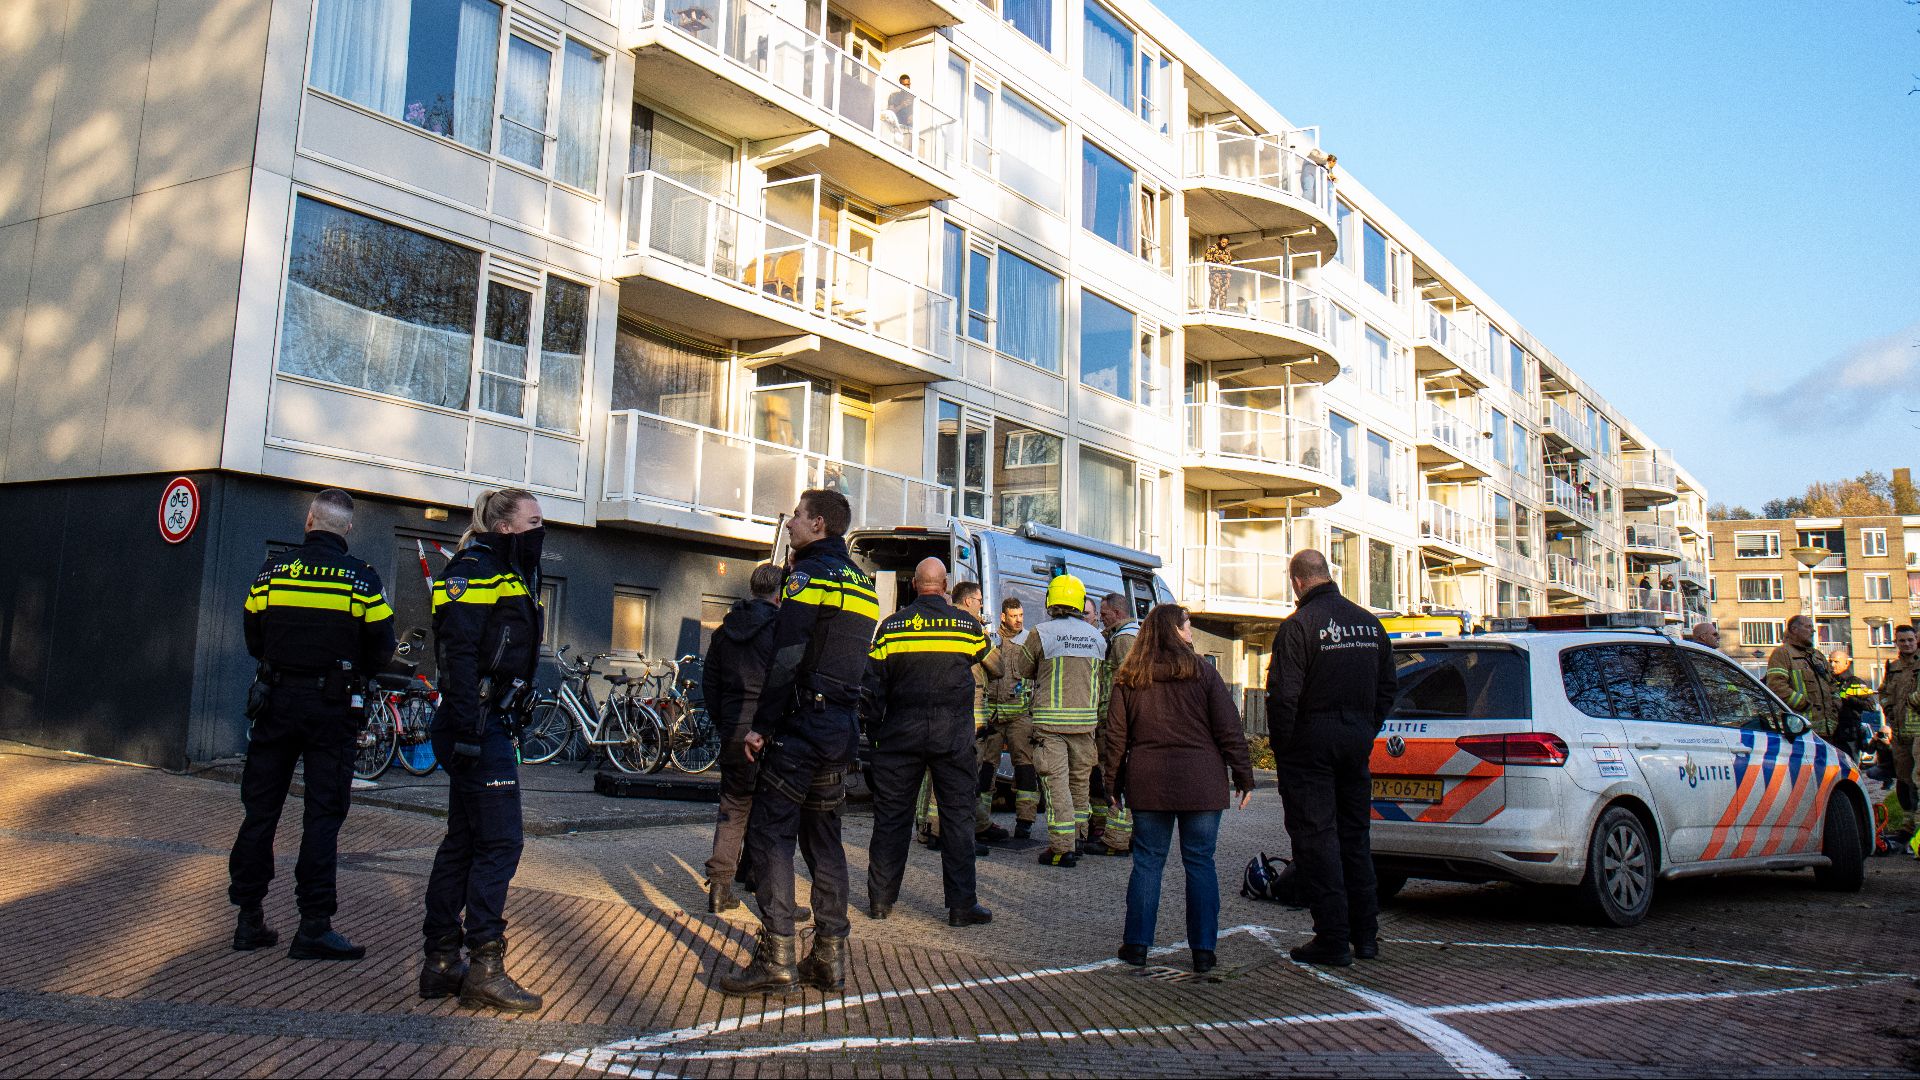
(487, 629)
(1330, 686)
(735, 668)
(318, 623)
(1799, 675)
(1112, 822)
(919, 717)
(1065, 657)
(806, 731)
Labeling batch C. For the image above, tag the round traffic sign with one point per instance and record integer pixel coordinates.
(179, 510)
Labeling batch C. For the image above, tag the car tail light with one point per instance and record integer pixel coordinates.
(1525, 748)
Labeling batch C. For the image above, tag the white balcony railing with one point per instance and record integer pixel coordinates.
(796, 60)
(1649, 475)
(1829, 605)
(1573, 502)
(1218, 573)
(1455, 433)
(1665, 601)
(1663, 538)
(1447, 525)
(1457, 342)
(1258, 435)
(668, 219)
(1559, 420)
(663, 460)
(1571, 576)
(1257, 294)
(1260, 160)
(1695, 571)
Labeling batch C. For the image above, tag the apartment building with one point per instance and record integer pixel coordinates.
(667, 262)
(1867, 584)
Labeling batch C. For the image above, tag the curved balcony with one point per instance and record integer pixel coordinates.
(1231, 583)
(1238, 182)
(1570, 579)
(1464, 539)
(1653, 543)
(1449, 445)
(1240, 313)
(1284, 458)
(1447, 346)
(1644, 482)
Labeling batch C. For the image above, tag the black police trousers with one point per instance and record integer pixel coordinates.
(895, 780)
(478, 858)
(297, 725)
(1327, 794)
(797, 799)
(738, 775)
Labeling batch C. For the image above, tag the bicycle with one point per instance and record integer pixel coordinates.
(692, 741)
(571, 713)
(399, 724)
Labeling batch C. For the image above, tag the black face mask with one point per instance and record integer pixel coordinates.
(523, 549)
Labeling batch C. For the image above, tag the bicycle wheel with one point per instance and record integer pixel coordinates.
(377, 741)
(696, 744)
(547, 734)
(416, 742)
(636, 745)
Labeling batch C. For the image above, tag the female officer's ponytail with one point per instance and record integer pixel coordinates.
(491, 510)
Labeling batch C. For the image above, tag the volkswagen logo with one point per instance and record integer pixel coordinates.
(1396, 746)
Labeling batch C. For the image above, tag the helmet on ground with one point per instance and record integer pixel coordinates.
(1270, 878)
(1067, 591)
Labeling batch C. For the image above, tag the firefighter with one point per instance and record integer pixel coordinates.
(1065, 658)
(1112, 823)
(487, 630)
(987, 737)
(1000, 712)
(920, 692)
(318, 623)
(806, 733)
(1799, 675)
(1898, 688)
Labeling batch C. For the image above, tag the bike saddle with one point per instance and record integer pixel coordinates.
(620, 680)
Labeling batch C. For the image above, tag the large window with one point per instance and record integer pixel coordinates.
(1762, 632)
(563, 356)
(1873, 542)
(668, 376)
(379, 307)
(1497, 345)
(1109, 53)
(503, 356)
(1373, 256)
(1380, 575)
(523, 106)
(1106, 346)
(1768, 590)
(1346, 449)
(577, 143)
(1106, 196)
(1030, 304)
(953, 271)
(1501, 450)
(962, 460)
(1032, 149)
(1106, 496)
(1517, 370)
(429, 63)
(1380, 373)
(1026, 476)
(1756, 545)
(1033, 18)
(1379, 467)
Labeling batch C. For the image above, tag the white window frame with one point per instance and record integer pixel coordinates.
(1773, 545)
(1873, 542)
(1777, 587)
(1876, 587)
(1880, 635)
(1774, 632)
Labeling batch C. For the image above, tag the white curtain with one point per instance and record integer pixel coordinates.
(1031, 153)
(474, 61)
(582, 78)
(1030, 312)
(336, 341)
(1109, 54)
(563, 361)
(1106, 497)
(360, 52)
(525, 103)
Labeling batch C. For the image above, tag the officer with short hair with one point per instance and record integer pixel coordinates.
(317, 622)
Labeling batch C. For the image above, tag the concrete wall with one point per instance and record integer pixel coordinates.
(124, 152)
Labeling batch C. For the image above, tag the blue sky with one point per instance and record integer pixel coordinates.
(1708, 209)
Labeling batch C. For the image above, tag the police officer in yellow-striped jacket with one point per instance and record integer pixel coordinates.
(317, 622)
(919, 716)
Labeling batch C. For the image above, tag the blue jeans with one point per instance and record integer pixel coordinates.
(1152, 835)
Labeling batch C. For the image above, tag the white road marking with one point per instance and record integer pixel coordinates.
(1653, 956)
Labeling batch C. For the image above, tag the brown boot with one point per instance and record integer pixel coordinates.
(772, 969)
(826, 967)
(487, 984)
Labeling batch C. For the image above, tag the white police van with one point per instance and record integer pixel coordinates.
(1596, 752)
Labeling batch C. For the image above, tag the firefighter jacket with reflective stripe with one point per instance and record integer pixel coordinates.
(1802, 679)
(820, 642)
(1120, 642)
(1066, 658)
(1006, 692)
(1897, 689)
(486, 626)
(314, 606)
(920, 682)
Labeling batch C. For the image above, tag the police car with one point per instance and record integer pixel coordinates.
(1595, 752)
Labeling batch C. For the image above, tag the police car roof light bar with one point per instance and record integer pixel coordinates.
(1612, 620)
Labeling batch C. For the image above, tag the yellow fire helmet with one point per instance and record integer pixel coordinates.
(1067, 591)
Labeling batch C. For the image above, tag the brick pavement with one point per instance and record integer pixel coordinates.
(113, 911)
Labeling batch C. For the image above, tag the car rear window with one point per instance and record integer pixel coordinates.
(1462, 682)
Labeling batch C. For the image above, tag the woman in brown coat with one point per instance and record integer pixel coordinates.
(1173, 736)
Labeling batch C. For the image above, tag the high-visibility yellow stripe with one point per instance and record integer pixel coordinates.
(309, 583)
(377, 611)
(257, 602)
(310, 600)
(846, 600)
(884, 649)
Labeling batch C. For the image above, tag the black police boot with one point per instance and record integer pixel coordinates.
(772, 969)
(443, 971)
(968, 916)
(1023, 830)
(1134, 954)
(825, 968)
(720, 898)
(1203, 961)
(1323, 950)
(1051, 857)
(991, 833)
(487, 984)
(1367, 948)
(318, 940)
(879, 909)
(251, 931)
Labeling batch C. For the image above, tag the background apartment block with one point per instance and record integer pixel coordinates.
(1869, 584)
(666, 262)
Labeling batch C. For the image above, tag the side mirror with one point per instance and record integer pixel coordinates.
(1794, 725)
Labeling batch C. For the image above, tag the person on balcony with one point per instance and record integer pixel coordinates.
(900, 110)
(1218, 258)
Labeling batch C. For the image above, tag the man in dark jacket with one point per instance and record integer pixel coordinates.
(806, 728)
(1329, 687)
(736, 665)
(919, 718)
